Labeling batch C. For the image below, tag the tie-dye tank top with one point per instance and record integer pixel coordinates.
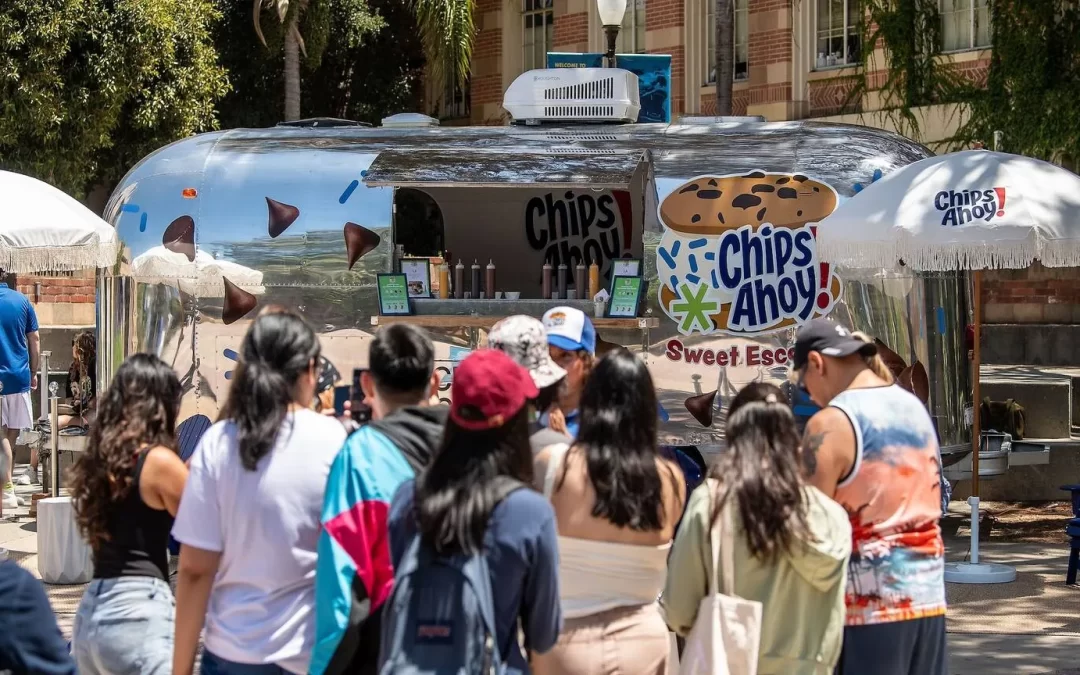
(893, 498)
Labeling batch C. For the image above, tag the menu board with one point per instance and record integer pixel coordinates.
(625, 297)
(393, 294)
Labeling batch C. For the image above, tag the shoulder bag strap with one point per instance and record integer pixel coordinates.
(727, 548)
(555, 460)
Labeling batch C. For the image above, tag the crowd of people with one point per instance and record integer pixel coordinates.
(533, 525)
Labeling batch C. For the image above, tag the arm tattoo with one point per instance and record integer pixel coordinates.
(811, 445)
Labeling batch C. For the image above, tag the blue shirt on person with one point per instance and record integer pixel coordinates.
(522, 550)
(573, 422)
(17, 320)
(30, 639)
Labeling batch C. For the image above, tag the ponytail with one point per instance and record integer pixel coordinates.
(277, 350)
(875, 362)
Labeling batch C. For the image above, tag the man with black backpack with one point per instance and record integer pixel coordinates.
(354, 575)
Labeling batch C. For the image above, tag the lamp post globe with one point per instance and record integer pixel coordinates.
(611, 16)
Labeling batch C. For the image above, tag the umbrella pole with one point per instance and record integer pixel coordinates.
(976, 394)
(976, 572)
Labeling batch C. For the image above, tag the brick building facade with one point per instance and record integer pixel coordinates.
(794, 60)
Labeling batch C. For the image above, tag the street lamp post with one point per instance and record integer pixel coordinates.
(611, 16)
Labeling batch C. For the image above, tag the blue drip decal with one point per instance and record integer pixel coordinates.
(142, 222)
(129, 208)
(667, 256)
(698, 243)
(693, 263)
(664, 417)
(348, 191)
(940, 320)
(693, 278)
(715, 281)
(675, 249)
(232, 356)
(675, 285)
(711, 255)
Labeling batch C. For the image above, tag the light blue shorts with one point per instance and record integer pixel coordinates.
(125, 625)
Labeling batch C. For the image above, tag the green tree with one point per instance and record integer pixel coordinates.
(89, 87)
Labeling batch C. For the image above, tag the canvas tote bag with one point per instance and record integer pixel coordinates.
(726, 635)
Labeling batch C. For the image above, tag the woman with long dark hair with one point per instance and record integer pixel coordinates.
(249, 519)
(617, 501)
(468, 501)
(126, 488)
(791, 541)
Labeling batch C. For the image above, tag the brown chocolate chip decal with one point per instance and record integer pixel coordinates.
(281, 216)
(761, 187)
(179, 237)
(781, 181)
(755, 174)
(696, 218)
(359, 241)
(701, 407)
(709, 194)
(720, 216)
(746, 201)
(787, 193)
(761, 214)
(799, 178)
(713, 182)
(238, 303)
(689, 188)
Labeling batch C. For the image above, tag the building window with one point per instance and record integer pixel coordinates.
(965, 24)
(631, 39)
(538, 32)
(742, 40)
(838, 39)
(455, 100)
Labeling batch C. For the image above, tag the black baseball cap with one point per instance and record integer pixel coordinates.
(828, 339)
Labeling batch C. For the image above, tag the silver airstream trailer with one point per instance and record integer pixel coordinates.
(720, 213)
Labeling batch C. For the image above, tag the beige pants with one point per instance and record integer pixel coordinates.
(624, 641)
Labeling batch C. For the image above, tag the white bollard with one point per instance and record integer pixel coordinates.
(974, 503)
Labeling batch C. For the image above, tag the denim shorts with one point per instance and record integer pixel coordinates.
(125, 625)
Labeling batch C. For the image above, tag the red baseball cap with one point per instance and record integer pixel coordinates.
(491, 382)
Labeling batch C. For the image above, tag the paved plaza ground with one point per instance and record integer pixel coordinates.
(1030, 626)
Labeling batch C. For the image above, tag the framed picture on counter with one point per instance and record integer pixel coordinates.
(625, 297)
(417, 273)
(393, 295)
(626, 267)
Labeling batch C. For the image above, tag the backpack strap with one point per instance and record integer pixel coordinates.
(480, 578)
(556, 455)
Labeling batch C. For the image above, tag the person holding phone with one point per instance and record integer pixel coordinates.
(353, 575)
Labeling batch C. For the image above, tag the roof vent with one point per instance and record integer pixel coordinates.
(409, 120)
(722, 119)
(563, 95)
(323, 122)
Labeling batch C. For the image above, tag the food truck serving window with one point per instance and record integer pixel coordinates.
(476, 168)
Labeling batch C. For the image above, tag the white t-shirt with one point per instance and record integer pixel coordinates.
(265, 524)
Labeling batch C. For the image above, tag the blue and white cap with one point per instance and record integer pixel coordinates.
(568, 328)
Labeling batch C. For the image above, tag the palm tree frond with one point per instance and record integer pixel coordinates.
(256, 15)
(446, 31)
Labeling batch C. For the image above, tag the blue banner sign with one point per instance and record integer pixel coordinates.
(653, 71)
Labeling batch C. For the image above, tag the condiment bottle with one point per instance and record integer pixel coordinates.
(489, 279)
(444, 281)
(563, 271)
(579, 280)
(459, 280)
(545, 282)
(594, 280)
(475, 288)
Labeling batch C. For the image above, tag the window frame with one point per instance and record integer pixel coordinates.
(450, 107)
(972, 10)
(710, 42)
(546, 9)
(846, 29)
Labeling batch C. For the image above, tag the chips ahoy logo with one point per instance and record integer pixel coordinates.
(960, 207)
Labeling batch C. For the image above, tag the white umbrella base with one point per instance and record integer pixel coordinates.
(979, 573)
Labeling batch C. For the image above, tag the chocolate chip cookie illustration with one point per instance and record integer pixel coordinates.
(712, 205)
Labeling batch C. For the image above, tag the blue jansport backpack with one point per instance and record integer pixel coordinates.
(440, 616)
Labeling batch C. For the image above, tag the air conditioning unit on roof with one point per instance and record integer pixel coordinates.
(561, 95)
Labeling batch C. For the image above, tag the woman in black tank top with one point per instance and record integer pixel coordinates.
(126, 488)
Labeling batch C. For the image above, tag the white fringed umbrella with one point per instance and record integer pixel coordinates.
(969, 210)
(42, 229)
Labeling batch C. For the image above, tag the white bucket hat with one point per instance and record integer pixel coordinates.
(524, 340)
